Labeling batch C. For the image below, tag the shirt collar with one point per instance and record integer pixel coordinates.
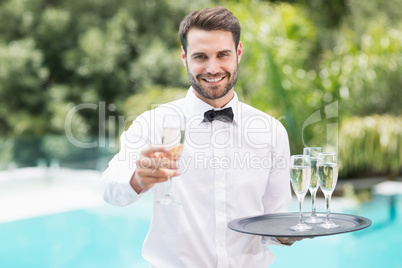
(197, 107)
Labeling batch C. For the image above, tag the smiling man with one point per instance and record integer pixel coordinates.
(212, 64)
(226, 150)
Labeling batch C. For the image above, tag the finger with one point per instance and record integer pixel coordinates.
(175, 151)
(282, 239)
(292, 239)
(286, 240)
(167, 163)
(158, 173)
(148, 178)
(149, 182)
(169, 172)
(155, 163)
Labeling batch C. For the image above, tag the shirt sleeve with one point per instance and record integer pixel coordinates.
(116, 178)
(278, 195)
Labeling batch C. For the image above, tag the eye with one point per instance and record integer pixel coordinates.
(223, 54)
(199, 57)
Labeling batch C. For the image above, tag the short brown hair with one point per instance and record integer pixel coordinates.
(210, 19)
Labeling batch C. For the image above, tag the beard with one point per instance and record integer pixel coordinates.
(213, 92)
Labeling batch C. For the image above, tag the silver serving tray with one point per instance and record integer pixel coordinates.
(278, 225)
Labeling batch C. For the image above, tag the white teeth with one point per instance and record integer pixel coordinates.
(214, 80)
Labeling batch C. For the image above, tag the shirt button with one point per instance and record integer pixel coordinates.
(219, 185)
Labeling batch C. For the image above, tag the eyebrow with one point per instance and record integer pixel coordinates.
(202, 53)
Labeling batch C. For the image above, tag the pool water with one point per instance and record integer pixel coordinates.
(99, 237)
(375, 246)
(109, 236)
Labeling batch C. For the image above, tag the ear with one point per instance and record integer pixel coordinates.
(239, 52)
(183, 57)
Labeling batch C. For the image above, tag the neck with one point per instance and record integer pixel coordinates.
(217, 103)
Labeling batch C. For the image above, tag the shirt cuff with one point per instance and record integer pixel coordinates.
(117, 189)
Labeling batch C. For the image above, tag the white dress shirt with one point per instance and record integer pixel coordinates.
(228, 171)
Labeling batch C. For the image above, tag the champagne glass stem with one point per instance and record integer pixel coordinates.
(328, 201)
(313, 195)
(313, 216)
(300, 209)
(169, 187)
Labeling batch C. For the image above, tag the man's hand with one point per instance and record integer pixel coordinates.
(155, 165)
(288, 241)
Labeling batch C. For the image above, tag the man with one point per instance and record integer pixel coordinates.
(232, 167)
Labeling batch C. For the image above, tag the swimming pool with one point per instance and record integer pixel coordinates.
(99, 237)
(376, 246)
(109, 236)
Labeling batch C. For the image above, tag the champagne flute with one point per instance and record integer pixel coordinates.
(173, 138)
(327, 164)
(314, 184)
(300, 174)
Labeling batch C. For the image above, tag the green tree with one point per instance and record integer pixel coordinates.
(299, 57)
(298, 62)
(57, 54)
(278, 71)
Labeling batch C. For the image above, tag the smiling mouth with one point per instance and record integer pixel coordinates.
(214, 80)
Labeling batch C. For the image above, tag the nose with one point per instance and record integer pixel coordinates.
(212, 66)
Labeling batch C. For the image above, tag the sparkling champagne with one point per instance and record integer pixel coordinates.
(314, 174)
(300, 178)
(172, 139)
(328, 176)
(172, 136)
(176, 150)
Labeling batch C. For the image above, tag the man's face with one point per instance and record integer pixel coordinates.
(212, 62)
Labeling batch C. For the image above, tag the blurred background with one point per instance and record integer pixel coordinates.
(74, 74)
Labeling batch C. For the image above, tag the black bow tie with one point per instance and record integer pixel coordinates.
(225, 115)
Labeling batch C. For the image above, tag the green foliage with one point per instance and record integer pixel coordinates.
(371, 145)
(150, 99)
(365, 60)
(59, 54)
(49, 149)
(329, 12)
(6, 152)
(21, 72)
(299, 58)
(277, 72)
(296, 62)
